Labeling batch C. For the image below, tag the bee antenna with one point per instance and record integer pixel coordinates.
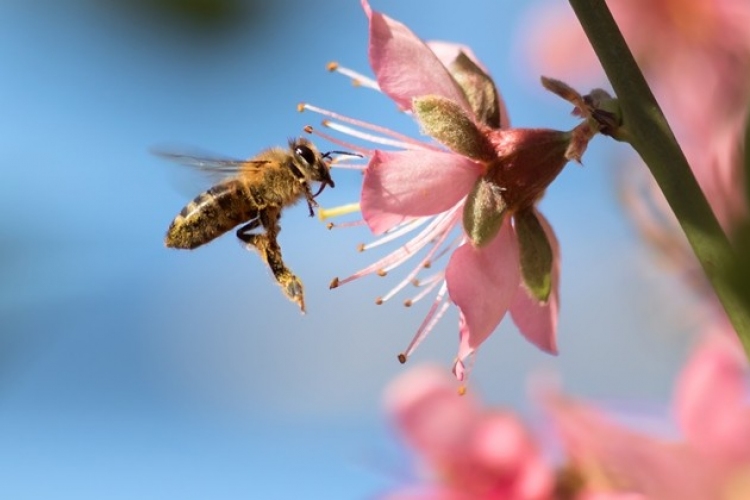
(348, 153)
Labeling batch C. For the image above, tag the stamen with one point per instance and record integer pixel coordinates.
(344, 129)
(403, 253)
(357, 78)
(399, 231)
(428, 236)
(367, 126)
(347, 145)
(439, 306)
(430, 285)
(327, 213)
(342, 225)
(400, 286)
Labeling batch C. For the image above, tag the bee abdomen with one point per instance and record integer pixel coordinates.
(211, 214)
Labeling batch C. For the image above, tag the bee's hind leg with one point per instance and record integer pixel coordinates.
(270, 251)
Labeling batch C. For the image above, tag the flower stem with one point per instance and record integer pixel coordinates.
(646, 129)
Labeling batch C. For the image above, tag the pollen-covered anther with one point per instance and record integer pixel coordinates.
(332, 66)
(301, 107)
(408, 303)
(308, 129)
(382, 272)
(402, 358)
(379, 301)
(330, 225)
(334, 283)
(361, 247)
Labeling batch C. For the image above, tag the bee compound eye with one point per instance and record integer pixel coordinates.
(306, 154)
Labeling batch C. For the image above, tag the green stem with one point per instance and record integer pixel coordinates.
(647, 131)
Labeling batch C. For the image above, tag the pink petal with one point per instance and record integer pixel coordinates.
(628, 461)
(711, 402)
(428, 410)
(404, 65)
(482, 283)
(447, 52)
(403, 184)
(538, 321)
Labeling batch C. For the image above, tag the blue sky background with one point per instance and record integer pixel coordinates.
(131, 371)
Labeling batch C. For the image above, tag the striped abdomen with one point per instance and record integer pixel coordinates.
(210, 215)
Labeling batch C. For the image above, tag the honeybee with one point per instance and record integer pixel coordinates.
(253, 193)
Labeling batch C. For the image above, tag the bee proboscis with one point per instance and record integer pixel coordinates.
(253, 193)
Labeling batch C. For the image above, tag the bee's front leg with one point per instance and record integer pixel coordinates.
(270, 251)
(310, 198)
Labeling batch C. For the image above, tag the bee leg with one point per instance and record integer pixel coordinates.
(310, 198)
(270, 251)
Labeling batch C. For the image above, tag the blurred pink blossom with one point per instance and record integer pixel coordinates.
(710, 460)
(472, 452)
(465, 450)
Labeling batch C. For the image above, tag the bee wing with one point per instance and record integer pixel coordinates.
(213, 168)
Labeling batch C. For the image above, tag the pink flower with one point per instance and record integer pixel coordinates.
(473, 452)
(712, 460)
(472, 193)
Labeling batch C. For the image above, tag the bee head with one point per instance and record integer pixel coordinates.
(311, 164)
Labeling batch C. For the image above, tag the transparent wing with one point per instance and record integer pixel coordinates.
(207, 162)
(211, 168)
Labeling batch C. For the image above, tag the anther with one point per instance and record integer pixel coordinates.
(332, 66)
(361, 247)
(408, 303)
(308, 129)
(329, 225)
(382, 272)
(427, 264)
(462, 390)
(301, 107)
(334, 283)
(379, 301)
(402, 358)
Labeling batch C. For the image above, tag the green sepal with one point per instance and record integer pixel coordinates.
(536, 255)
(484, 212)
(479, 90)
(447, 122)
